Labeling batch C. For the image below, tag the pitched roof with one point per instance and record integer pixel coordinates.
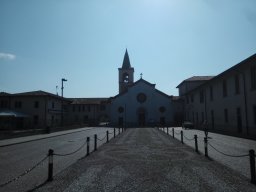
(247, 61)
(199, 78)
(196, 78)
(91, 101)
(126, 61)
(4, 94)
(37, 93)
(137, 82)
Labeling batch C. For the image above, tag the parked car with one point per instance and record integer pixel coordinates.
(188, 125)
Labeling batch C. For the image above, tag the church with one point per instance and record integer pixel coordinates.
(139, 103)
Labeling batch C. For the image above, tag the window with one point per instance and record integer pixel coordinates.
(197, 117)
(141, 97)
(202, 116)
(89, 108)
(36, 104)
(254, 114)
(4, 104)
(237, 85)
(193, 116)
(102, 107)
(83, 107)
(192, 98)
(52, 120)
(35, 119)
(79, 108)
(17, 104)
(74, 108)
(201, 96)
(224, 87)
(120, 109)
(253, 77)
(162, 109)
(212, 116)
(126, 78)
(226, 115)
(53, 105)
(187, 99)
(211, 93)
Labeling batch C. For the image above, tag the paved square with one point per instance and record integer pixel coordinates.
(147, 160)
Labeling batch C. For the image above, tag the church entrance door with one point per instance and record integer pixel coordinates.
(141, 117)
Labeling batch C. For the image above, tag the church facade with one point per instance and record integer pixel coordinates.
(139, 103)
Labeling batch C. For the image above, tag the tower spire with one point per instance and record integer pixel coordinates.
(126, 61)
(126, 74)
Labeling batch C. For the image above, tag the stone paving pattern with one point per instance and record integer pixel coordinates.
(226, 144)
(147, 160)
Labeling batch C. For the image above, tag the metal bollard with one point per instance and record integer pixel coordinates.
(252, 166)
(196, 144)
(107, 136)
(167, 131)
(173, 132)
(114, 132)
(50, 165)
(118, 131)
(88, 146)
(181, 137)
(95, 142)
(205, 147)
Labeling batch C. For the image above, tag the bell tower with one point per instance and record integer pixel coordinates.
(125, 74)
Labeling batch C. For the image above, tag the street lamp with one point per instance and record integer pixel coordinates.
(62, 80)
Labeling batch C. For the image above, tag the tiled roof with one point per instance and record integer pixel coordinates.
(175, 98)
(4, 94)
(199, 78)
(196, 78)
(92, 101)
(37, 93)
(248, 61)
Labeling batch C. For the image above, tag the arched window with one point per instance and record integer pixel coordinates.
(125, 77)
(120, 109)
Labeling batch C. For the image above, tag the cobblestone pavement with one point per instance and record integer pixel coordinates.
(147, 160)
(223, 143)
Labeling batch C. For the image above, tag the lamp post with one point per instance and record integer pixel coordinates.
(62, 87)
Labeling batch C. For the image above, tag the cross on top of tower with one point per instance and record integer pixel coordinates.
(141, 75)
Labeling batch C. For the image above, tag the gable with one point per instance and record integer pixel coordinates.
(141, 86)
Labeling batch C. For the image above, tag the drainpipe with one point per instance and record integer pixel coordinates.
(245, 106)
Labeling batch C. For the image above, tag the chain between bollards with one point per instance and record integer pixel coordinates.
(88, 146)
(50, 165)
(196, 144)
(205, 147)
(252, 166)
(107, 136)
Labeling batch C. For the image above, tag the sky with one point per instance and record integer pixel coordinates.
(84, 41)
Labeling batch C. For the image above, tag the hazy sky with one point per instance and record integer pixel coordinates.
(84, 41)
